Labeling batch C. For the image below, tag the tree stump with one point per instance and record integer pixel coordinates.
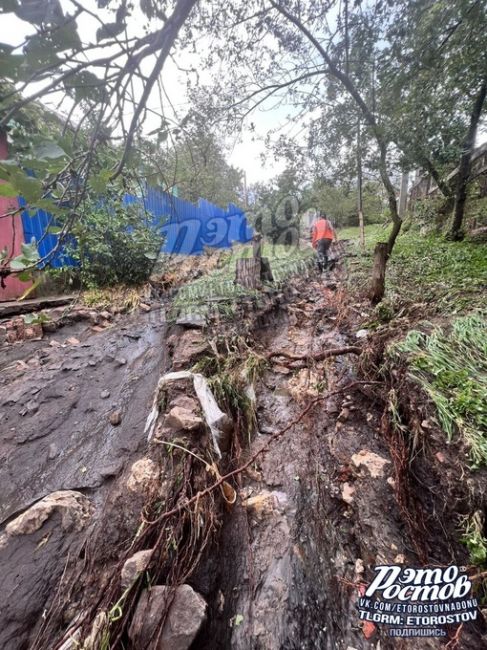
(377, 285)
(248, 273)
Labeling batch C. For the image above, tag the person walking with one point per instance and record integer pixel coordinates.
(322, 234)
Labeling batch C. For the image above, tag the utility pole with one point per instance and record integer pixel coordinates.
(246, 197)
(360, 209)
(403, 194)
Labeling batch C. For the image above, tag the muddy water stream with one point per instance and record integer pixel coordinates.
(72, 417)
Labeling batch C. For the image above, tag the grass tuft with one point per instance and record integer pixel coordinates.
(452, 369)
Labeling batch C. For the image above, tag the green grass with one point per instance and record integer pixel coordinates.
(451, 367)
(451, 277)
(218, 289)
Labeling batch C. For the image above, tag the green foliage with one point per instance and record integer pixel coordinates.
(447, 277)
(339, 201)
(114, 245)
(452, 369)
(474, 539)
(36, 319)
(28, 258)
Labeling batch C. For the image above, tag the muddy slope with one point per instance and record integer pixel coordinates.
(73, 414)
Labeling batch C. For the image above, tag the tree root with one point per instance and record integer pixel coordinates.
(326, 354)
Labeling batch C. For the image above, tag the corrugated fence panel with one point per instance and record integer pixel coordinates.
(36, 227)
(187, 228)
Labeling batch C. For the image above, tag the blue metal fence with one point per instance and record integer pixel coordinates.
(186, 228)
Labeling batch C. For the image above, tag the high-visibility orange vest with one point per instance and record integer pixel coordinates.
(322, 229)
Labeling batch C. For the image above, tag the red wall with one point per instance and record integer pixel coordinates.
(11, 235)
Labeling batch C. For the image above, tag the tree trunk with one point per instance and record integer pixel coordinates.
(464, 167)
(377, 285)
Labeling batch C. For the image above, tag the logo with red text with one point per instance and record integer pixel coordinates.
(418, 602)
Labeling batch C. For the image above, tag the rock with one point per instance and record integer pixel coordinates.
(186, 402)
(440, 457)
(303, 384)
(115, 418)
(190, 345)
(343, 415)
(144, 473)
(348, 491)
(72, 341)
(180, 418)
(191, 320)
(362, 334)
(53, 451)
(373, 462)
(144, 307)
(121, 361)
(105, 394)
(186, 615)
(32, 406)
(74, 507)
(106, 315)
(134, 566)
(359, 567)
(400, 559)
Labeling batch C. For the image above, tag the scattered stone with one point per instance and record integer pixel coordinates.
(180, 418)
(359, 567)
(186, 615)
(391, 482)
(400, 559)
(362, 334)
(303, 384)
(53, 451)
(343, 415)
(144, 306)
(134, 566)
(72, 341)
(191, 320)
(440, 457)
(190, 345)
(186, 402)
(348, 491)
(115, 418)
(121, 361)
(144, 473)
(55, 344)
(74, 507)
(97, 328)
(373, 462)
(106, 315)
(105, 394)
(32, 406)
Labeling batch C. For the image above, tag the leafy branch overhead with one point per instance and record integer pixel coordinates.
(410, 74)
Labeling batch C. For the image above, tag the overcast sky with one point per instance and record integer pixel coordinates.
(246, 148)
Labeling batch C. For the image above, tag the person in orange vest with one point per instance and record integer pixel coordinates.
(322, 234)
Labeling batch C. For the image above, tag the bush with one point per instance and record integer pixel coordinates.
(114, 244)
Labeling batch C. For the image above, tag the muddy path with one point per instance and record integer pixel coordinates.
(73, 408)
(319, 508)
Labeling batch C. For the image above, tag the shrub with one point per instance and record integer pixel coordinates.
(114, 244)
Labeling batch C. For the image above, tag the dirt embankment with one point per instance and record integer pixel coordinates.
(279, 536)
